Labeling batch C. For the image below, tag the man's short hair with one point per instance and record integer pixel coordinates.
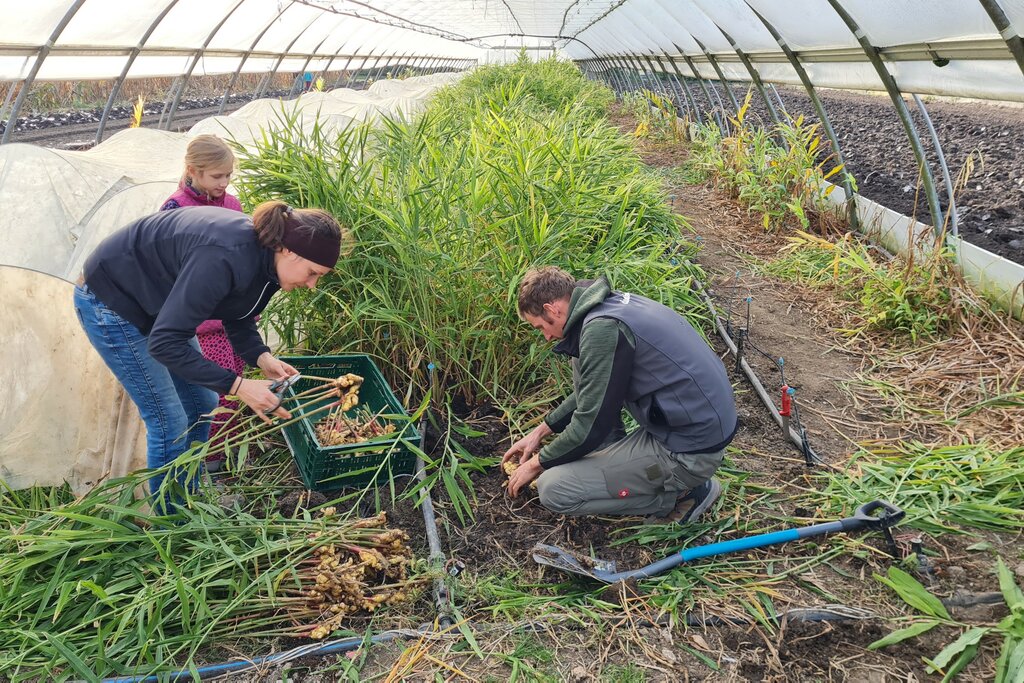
(543, 286)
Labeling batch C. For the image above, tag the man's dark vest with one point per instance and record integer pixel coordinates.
(679, 390)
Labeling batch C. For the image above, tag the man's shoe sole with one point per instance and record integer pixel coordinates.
(705, 504)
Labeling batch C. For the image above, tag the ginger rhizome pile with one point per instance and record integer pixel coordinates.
(365, 566)
(338, 429)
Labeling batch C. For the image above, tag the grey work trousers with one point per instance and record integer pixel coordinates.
(626, 475)
(636, 475)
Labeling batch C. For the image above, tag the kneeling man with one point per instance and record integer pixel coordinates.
(627, 351)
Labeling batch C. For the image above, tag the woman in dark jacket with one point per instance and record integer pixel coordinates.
(148, 286)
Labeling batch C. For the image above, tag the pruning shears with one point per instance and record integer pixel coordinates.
(278, 387)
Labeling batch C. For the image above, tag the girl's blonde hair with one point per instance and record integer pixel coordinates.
(206, 151)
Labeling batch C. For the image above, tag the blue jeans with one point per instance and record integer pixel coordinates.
(171, 408)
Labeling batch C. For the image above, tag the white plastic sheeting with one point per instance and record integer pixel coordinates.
(981, 64)
(63, 416)
(224, 30)
(317, 34)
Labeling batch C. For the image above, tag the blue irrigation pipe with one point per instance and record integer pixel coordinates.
(332, 647)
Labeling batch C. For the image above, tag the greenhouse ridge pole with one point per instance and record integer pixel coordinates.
(280, 60)
(417, 63)
(704, 89)
(721, 75)
(330, 62)
(627, 83)
(631, 74)
(127, 67)
(382, 67)
(422, 63)
(613, 78)
(195, 60)
(901, 108)
(313, 54)
(682, 79)
(601, 70)
(352, 76)
(610, 76)
(26, 85)
(245, 57)
(826, 123)
(434, 63)
(374, 74)
(442, 64)
(678, 101)
(754, 76)
(344, 70)
(682, 96)
(1006, 30)
(639, 70)
(654, 72)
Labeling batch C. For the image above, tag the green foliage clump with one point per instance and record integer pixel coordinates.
(656, 116)
(552, 85)
(777, 172)
(98, 585)
(941, 488)
(511, 168)
(952, 659)
(910, 299)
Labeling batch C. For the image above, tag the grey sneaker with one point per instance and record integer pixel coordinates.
(691, 504)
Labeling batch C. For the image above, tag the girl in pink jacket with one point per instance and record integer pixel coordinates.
(209, 164)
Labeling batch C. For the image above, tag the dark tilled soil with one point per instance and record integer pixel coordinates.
(877, 151)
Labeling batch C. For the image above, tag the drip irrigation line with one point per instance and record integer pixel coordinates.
(742, 337)
(824, 613)
(739, 341)
(318, 649)
(798, 438)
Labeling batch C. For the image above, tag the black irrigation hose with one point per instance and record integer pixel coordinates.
(825, 613)
(796, 437)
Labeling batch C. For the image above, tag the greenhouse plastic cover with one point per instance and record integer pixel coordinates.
(63, 415)
(253, 35)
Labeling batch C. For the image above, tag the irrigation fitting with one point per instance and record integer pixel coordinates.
(740, 337)
(810, 457)
(924, 565)
(787, 407)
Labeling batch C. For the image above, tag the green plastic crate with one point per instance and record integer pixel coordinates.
(332, 467)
